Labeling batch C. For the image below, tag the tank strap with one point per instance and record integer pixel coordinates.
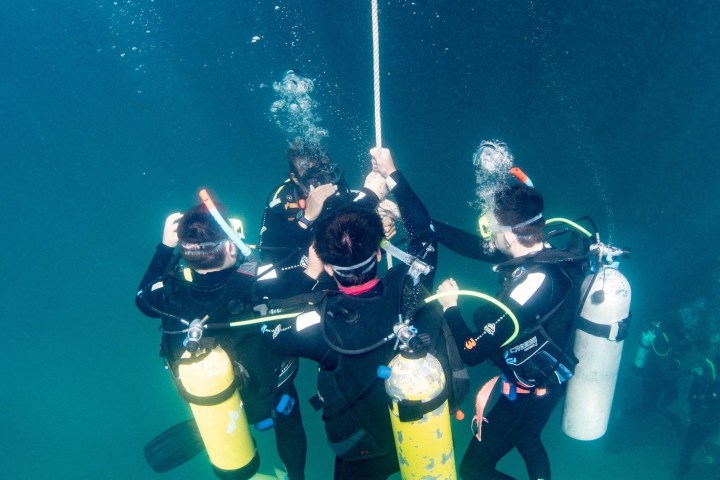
(209, 399)
(414, 410)
(615, 332)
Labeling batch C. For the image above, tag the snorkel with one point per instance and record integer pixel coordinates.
(520, 175)
(232, 234)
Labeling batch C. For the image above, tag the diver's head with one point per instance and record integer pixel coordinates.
(204, 246)
(322, 174)
(517, 217)
(347, 240)
(302, 156)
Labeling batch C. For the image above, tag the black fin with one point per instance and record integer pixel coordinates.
(174, 446)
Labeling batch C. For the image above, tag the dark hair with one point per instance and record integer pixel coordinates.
(201, 239)
(347, 237)
(322, 174)
(303, 155)
(517, 204)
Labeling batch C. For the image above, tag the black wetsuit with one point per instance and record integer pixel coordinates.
(227, 295)
(532, 290)
(284, 241)
(704, 402)
(661, 374)
(281, 235)
(355, 405)
(466, 244)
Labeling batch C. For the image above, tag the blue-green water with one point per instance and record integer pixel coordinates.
(114, 113)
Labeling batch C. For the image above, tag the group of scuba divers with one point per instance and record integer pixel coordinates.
(668, 351)
(392, 356)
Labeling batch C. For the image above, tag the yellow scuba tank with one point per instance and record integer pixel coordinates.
(208, 380)
(604, 320)
(420, 417)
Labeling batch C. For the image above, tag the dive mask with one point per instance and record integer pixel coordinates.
(321, 174)
(484, 226)
(489, 225)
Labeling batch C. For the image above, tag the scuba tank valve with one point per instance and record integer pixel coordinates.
(194, 335)
(607, 253)
(408, 339)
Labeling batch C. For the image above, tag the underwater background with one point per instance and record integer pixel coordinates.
(114, 113)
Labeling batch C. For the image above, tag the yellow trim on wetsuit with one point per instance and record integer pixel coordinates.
(282, 185)
(490, 299)
(568, 222)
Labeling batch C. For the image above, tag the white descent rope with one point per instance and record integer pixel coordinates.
(376, 84)
(376, 72)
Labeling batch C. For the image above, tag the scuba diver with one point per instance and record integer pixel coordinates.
(532, 348)
(350, 332)
(659, 359)
(296, 203)
(704, 404)
(666, 352)
(494, 161)
(315, 183)
(216, 279)
(658, 362)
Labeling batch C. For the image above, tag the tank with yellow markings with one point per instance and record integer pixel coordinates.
(420, 417)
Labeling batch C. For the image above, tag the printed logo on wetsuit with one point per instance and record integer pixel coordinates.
(517, 273)
(275, 331)
(488, 329)
(525, 346)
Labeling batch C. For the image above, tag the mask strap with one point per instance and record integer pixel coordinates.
(503, 229)
(370, 262)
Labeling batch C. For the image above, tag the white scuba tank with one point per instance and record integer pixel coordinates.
(643, 352)
(598, 347)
